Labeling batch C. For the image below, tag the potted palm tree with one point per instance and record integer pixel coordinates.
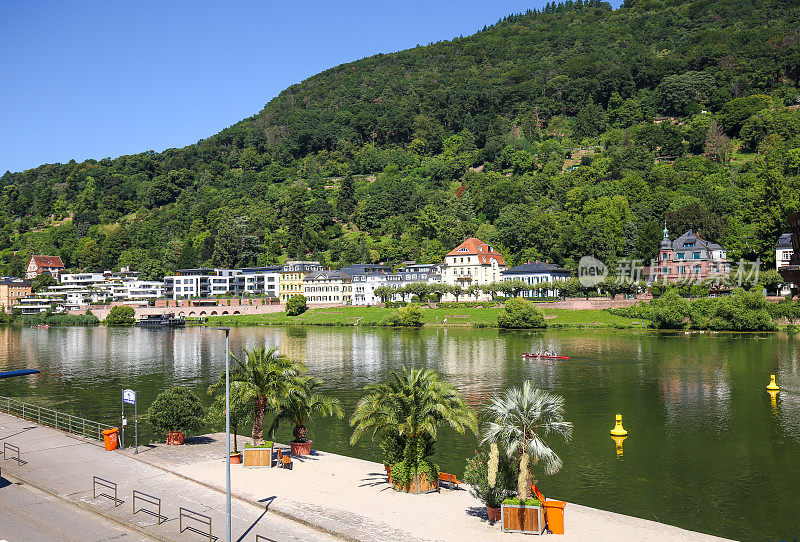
(265, 378)
(519, 419)
(176, 411)
(409, 408)
(240, 410)
(298, 407)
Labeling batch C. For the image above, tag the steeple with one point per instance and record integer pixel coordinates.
(666, 244)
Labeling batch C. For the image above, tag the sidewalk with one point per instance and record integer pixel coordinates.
(353, 498)
(63, 465)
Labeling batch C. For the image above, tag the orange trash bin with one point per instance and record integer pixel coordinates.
(110, 438)
(554, 511)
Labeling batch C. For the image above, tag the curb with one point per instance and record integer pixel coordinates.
(84, 506)
(338, 533)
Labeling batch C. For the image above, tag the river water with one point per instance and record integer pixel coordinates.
(707, 450)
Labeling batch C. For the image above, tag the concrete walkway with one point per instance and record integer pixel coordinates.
(63, 466)
(352, 498)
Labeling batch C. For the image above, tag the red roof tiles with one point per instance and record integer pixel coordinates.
(476, 247)
(48, 261)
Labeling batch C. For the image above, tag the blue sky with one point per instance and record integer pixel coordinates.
(101, 79)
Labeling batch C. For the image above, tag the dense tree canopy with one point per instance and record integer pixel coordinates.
(551, 134)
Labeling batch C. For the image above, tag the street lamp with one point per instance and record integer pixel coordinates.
(227, 455)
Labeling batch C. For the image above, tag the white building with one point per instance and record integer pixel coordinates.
(364, 287)
(81, 289)
(203, 283)
(472, 262)
(783, 250)
(537, 273)
(331, 286)
(783, 255)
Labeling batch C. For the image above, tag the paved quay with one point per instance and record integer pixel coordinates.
(324, 497)
(30, 515)
(63, 465)
(352, 497)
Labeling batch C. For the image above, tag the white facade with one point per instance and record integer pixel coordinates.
(783, 255)
(783, 250)
(364, 287)
(328, 287)
(204, 283)
(537, 273)
(472, 262)
(77, 290)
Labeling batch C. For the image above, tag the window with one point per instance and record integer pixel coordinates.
(696, 255)
(697, 269)
(681, 255)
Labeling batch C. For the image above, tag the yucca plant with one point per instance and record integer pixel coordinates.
(520, 419)
(410, 407)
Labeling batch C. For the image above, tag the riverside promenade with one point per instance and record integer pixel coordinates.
(352, 498)
(324, 497)
(63, 465)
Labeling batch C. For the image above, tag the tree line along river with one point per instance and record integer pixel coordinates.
(707, 450)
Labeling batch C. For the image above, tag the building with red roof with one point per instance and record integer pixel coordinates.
(472, 262)
(44, 264)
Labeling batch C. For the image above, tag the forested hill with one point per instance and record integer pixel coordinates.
(550, 134)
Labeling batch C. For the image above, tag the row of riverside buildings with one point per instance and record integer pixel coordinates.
(473, 262)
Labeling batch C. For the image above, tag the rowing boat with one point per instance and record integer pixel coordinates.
(544, 357)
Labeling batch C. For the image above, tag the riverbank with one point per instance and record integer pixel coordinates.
(431, 317)
(62, 465)
(352, 498)
(328, 495)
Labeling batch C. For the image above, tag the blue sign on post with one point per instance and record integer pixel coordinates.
(129, 396)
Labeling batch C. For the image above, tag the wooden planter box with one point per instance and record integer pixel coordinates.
(517, 518)
(420, 484)
(258, 457)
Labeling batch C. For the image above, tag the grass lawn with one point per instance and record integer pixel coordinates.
(370, 316)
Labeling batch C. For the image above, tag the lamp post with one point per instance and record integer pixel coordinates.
(227, 454)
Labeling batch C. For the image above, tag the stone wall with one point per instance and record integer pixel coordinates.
(101, 311)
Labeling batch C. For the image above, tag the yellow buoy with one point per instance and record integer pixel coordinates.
(772, 386)
(618, 430)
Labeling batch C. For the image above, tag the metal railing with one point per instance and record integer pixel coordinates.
(11, 448)
(53, 418)
(194, 516)
(148, 499)
(103, 483)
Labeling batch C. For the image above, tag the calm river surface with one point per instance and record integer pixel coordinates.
(707, 449)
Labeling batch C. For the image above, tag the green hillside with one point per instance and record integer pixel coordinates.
(542, 134)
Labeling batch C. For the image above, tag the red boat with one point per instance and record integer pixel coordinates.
(544, 357)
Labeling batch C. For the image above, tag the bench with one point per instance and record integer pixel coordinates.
(450, 479)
